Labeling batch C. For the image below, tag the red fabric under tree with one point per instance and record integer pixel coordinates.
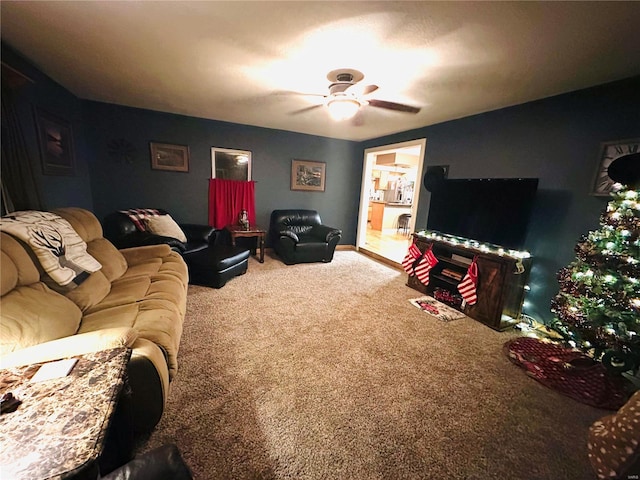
(227, 198)
(569, 372)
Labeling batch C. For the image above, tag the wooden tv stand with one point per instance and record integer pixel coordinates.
(500, 288)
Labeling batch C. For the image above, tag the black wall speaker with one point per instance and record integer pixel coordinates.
(435, 176)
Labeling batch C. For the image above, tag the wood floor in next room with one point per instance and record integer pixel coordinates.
(389, 244)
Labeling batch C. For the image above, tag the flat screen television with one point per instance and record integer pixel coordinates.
(489, 210)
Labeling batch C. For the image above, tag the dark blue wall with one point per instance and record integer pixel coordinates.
(44, 93)
(556, 140)
(118, 184)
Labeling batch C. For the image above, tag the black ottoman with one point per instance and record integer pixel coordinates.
(214, 266)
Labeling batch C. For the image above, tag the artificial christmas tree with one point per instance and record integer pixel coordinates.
(598, 306)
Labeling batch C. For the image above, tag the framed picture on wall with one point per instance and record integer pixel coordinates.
(55, 139)
(165, 156)
(230, 164)
(307, 175)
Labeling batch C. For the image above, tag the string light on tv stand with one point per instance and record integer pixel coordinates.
(465, 242)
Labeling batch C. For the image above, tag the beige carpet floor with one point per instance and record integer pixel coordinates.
(326, 371)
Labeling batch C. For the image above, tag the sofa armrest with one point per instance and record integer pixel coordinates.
(148, 377)
(326, 233)
(137, 255)
(71, 346)
(197, 233)
(289, 234)
(143, 239)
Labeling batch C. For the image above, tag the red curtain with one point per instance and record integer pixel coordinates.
(227, 198)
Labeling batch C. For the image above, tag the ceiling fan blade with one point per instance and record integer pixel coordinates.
(301, 94)
(361, 90)
(369, 89)
(306, 109)
(393, 106)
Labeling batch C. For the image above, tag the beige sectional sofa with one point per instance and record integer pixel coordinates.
(137, 299)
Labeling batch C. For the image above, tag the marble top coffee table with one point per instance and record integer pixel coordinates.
(59, 429)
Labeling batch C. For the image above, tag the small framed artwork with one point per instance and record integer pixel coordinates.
(230, 164)
(174, 158)
(609, 152)
(307, 175)
(55, 138)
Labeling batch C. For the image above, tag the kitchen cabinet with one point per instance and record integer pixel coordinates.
(382, 181)
(397, 159)
(377, 214)
(384, 216)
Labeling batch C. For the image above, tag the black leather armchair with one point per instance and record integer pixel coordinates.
(120, 230)
(161, 463)
(298, 236)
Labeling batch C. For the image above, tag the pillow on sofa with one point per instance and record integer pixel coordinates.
(166, 226)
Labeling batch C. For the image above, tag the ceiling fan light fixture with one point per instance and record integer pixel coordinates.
(343, 107)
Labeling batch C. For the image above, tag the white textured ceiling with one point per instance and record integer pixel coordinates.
(241, 61)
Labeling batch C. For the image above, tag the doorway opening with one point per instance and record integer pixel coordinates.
(389, 199)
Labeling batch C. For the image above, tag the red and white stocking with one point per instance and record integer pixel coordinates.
(427, 262)
(467, 287)
(412, 255)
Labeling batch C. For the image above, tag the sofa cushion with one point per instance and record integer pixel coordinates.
(9, 274)
(150, 297)
(30, 312)
(165, 226)
(83, 222)
(125, 290)
(28, 272)
(110, 317)
(91, 292)
(171, 263)
(113, 262)
(157, 319)
(88, 227)
(136, 255)
(35, 314)
(144, 269)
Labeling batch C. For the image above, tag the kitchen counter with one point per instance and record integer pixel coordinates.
(392, 204)
(384, 215)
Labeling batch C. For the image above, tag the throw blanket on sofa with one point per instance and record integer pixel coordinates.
(138, 216)
(59, 249)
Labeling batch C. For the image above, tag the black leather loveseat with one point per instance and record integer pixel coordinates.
(210, 259)
(298, 236)
(120, 230)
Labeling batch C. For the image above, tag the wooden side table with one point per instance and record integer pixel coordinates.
(59, 430)
(254, 231)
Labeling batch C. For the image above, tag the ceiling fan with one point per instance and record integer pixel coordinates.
(346, 96)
